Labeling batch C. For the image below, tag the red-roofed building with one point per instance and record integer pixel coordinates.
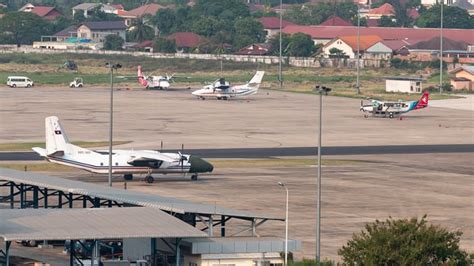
(383, 10)
(46, 12)
(272, 25)
(255, 49)
(335, 21)
(185, 40)
(324, 34)
(348, 44)
(149, 9)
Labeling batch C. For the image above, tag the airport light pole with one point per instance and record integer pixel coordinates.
(321, 90)
(112, 67)
(281, 184)
(441, 50)
(280, 78)
(358, 50)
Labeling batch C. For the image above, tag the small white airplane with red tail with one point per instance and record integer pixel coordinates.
(393, 109)
(154, 82)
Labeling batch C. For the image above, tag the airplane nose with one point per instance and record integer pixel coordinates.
(199, 165)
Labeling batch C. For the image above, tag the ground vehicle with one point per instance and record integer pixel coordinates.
(19, 81)
(76, 83)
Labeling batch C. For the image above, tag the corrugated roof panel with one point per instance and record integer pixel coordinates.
(126, 196)
(92, 223)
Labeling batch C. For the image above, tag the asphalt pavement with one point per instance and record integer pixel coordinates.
(290, 151)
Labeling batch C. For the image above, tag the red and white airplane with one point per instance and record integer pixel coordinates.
(153, 82)
(392, 109)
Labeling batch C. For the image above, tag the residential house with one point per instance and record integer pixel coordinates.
(429, 50)
(398, 47)
(271, 25)
(378, 51)
(148, 9)
(463, 78)
(69, 32)
(428, 3)
(98, 30)
(146, 46)
(255, 49)
(403, 84)
(348, 45)
(46, 12)
(335, 21)
(465, 4)
(88, 8)
(324, 34)
(383, 10)
(185, 41)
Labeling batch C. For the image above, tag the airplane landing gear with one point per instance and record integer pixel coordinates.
(149, 179)
(194, 177)
(128, 177)
(390, 115)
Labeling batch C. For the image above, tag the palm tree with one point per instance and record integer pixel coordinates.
(140, 31)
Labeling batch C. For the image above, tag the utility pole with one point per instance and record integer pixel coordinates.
(280, 78)
(441, 51)
(112, 67)
(358, 50)
(321, 90)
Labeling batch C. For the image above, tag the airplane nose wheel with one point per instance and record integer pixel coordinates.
(149, 179)
(194, 177)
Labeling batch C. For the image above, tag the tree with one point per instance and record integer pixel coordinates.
(165, 20)
(300, 45)
(248, 31)
(139, 31)
(22, 28)
(318, 13)
(386, 21)
(222, 9)
(404, 242)
(113, 42)
(336, 53)
(275, 44)
(98, 15)
(164, 45)
(455, 17)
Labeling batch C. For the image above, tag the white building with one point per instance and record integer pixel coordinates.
(403, 84)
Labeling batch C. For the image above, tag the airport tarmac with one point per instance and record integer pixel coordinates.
(382, 185)
(268, 119)
(354, 193)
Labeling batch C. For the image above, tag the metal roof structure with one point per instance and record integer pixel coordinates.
(92, 223)
(232, 245)
(126, 196)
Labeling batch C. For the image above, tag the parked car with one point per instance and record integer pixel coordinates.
(18, 81)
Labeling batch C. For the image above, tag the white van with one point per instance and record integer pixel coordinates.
(16, 81)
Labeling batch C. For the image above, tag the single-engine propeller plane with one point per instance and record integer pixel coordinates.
(222, 90)
(393, 109)
(126, 162)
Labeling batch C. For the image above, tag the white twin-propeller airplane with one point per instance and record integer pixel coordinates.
(221, 89)
(127, 162)
(154, 82)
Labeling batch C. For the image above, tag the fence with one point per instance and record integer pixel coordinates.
(310, 62)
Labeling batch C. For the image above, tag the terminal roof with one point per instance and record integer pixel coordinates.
(126, 196)
(92, 223)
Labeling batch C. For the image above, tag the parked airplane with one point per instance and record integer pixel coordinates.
(221, 89)
(154, 82)
(126, 162)
(392, 109)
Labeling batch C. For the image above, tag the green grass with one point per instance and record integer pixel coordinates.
(36, 167)
(26, 146)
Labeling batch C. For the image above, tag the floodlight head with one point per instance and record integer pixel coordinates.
(281, 184)
(322, 89)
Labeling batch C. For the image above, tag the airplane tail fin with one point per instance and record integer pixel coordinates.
(257, 79)
(423, 102)
(141, 78)
(56, 139)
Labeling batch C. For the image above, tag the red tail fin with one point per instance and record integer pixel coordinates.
(423, 102)
(141, 79)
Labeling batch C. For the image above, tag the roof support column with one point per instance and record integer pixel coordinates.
(35, 197)
(211, 226)
(45, 198)
(178, 252)
(153, 252)
(60, 199)
(70, 200)
(223, 225)
(254, 228)
(12, 195)
(22, 195)
(7, 252)
(71, 253)
(84, 201)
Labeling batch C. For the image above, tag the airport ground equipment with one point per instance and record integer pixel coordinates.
(77, 83)
(69, 65)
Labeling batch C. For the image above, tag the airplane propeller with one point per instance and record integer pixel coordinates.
(182, 158)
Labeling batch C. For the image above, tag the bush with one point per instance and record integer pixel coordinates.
(164, 45)
(404, 242)
(113, 42)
